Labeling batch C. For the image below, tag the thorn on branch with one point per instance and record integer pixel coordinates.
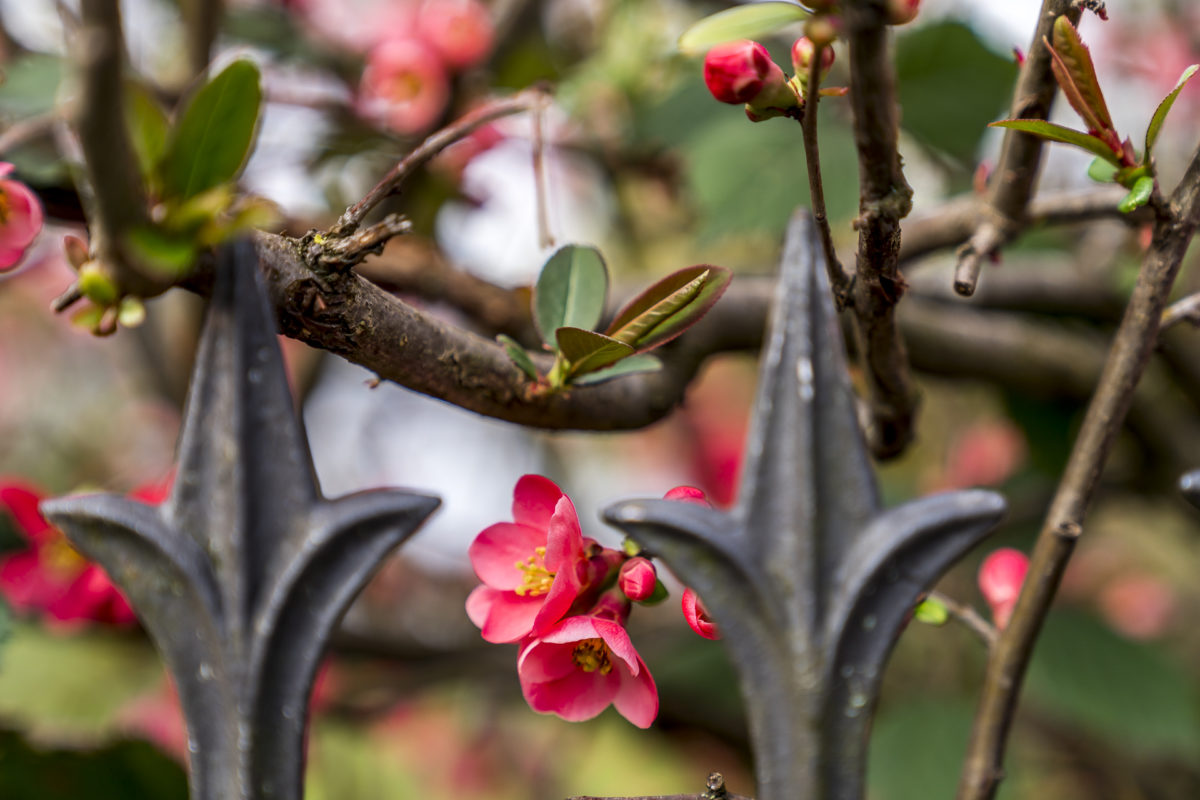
(340, 252)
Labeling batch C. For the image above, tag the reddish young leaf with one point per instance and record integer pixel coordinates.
(1073, 68)
(669, 307)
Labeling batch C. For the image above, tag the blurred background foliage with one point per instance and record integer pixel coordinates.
(646, 165)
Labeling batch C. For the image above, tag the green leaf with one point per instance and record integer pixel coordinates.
(670, 306)
(631, 365)
(659, 594)
(161, 251)
(1102, 171)
(588, 351)
(1160, 113)
(213, 134)
(518, 356)
(749, 21)
(1072, 65)
(1138, 196)
(931, 612)
(1057, 133)
(148, 130)
(570, 292)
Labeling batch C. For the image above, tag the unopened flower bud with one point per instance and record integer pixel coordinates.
(736, 72)
(697, 616)
(802, 53)
(822, 30)
(688, 494)
(637, 578)
(900, 12)
(1000, 579)
(97, 285)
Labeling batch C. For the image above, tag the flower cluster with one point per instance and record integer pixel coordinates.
(406, 83)
(566, 600)
(742, 71)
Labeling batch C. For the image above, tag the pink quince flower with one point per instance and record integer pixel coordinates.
(460, 31)
(533, 568)
(404, 85)
(697, 617)
(584, 663)
(1000, 578)
(20, 218)
(50, 576)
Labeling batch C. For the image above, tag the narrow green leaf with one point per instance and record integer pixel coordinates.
(748, 21)
(632, 365)
(931, 612)
(1160, 113)
(1102, 171)
(1072, 64)
(1057, 133)
(214, 132)
(518, 356)
(1138, 196)
(634, 329)
(588, 351)
(715, 280)
(148, 130)
(659, 594)
(571, 291)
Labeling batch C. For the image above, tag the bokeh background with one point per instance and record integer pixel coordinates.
(644, 164)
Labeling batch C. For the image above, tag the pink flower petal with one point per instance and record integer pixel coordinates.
(543, 662)
(22, 503)
(617, 639)
(534, 501)
(556, 603)
(696, 616)
(579, 696)
(637, 697)
(564, 539)
(510, 617)
(498, 549)
(572, 629)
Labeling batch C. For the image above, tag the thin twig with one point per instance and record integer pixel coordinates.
(1127, 360)
(884, 199)
(839, 281)
(968, 616)
(23, 130)
(528, 100)
(540, 185)
(1185, 310)
(1003, 214)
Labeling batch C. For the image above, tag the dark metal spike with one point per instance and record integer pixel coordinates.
(241, 575)
(811, 583)
(1189, 484)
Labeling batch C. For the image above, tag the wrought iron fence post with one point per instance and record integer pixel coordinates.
(808, 579)
(241, 575)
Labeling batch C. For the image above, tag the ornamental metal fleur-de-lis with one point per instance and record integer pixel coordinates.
(240, 576)
(809, 581)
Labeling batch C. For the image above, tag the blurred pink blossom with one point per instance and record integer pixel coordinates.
(460, 31)
(1000, 578)
(1140, 606)
(985, 454)
(404, 86)
(20, 218)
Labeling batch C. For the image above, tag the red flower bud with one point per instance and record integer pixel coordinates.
(1000, 579)
(900, 12)
(802, 53)
(697, 616)
(735, 72)
(637, 578)
(688, 494)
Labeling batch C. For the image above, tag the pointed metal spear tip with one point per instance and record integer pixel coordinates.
(625, 512)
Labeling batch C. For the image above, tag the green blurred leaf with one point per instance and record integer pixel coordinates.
(1160, 113)
(631, 365)
(518, 356)
(659, 594)
(941, 109)
(6, 627)
(931, 612)
(1138, 196)
(30, 85)
(122, 771)
(167, 253)
(57, 685)
(1131, 694)
(1057, 133)
(148, 129)
(214, 132)
(571, 291)
(749, 21)
(670, 306)
(1076, 76)
(1102, 171)
(587, 351)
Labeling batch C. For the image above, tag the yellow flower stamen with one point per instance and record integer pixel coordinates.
(591, 655)
(537, 578)
(61, 558)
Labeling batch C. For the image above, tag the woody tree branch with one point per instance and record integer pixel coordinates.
(884, 199)
(1002, 216)
(1127, 360)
